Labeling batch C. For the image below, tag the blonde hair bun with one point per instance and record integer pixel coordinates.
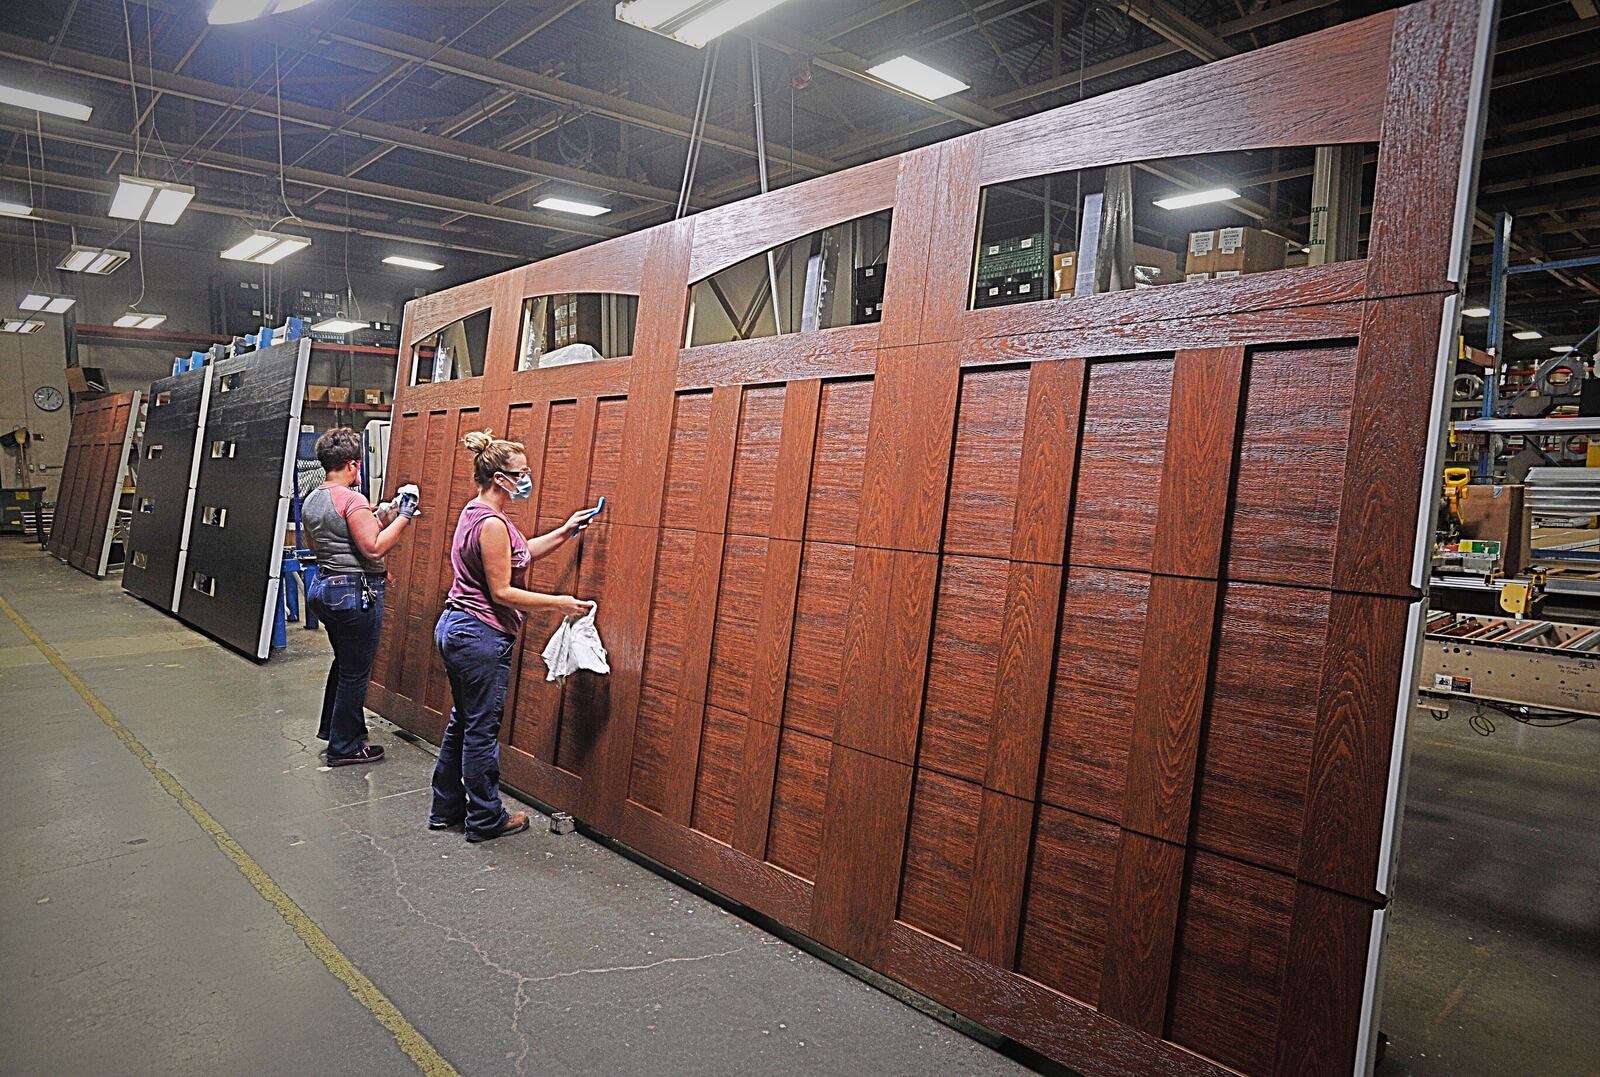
(478, 441)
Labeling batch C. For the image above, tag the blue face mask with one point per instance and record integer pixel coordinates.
(524, 488)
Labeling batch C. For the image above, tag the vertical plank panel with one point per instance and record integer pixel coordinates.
(1173, 672)
(1322, 984)
(864, 832)
(1389, 420)
(999, 879)
(1195, 480)
(1141, 932)
(1350, 755)
(1049, 460)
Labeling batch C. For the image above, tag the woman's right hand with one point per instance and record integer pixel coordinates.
(568, 606)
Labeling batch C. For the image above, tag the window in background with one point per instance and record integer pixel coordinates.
(576, 327)
(455, 352)
(1171, 221)
(824, 280)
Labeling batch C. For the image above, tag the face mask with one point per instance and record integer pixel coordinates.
(524, 488)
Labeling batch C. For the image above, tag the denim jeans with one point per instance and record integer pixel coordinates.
(353, 616)
(466, 780)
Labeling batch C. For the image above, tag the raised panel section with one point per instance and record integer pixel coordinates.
(839, 461)
(822, 606)
(984, 468)
(960, 701)
(1096, 689)
(1120, 458)
(755, 461)
(686, 461)
(1068, 898)
(716, 787)
(1291, 465)
(940, 844)
(799, 795)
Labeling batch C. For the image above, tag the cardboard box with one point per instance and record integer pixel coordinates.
(1232, 251)
(1066, 273)
(1200, 261)
(1154, 266)
(338, 394)
(373, 398)
(317, 394)
(1248, 250)
(1499, 514)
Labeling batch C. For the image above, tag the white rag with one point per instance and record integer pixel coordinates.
(576, 645)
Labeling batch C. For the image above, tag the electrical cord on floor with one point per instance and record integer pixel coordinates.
(1484, 726)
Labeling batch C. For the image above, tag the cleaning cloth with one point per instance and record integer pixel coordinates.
(576, 645)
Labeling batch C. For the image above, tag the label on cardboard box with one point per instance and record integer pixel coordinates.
(1200, 243)
(1228, 273)
(1196, 276)
(1229, 239)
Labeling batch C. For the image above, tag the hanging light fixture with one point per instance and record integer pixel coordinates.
(100, 261)
(17, 97)
(20, 325)
(265, 248)
(693, 22)
(338, 325)
(228, 12)
(136, 319)
(148, 200)
(46, 303)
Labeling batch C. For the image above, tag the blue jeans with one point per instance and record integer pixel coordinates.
(466, 780)
(353, 615)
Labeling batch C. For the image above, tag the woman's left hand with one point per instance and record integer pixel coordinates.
(577, 522)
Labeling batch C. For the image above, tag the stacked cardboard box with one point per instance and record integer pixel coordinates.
(1152, 266)
(1232, 252)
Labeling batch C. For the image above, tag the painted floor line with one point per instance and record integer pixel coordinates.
(411, 1041)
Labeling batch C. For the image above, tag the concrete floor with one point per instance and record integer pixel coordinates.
(132, 945)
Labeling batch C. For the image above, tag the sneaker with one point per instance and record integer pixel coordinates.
(369, 753)
(514, 824)
(457, 825)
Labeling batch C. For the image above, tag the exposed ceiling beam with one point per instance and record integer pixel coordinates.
(1535, 123)
(1559, 32)
(300, 32)
(383, 192)
(1176, 27)
(1511, 149)
(491, 104)
(1587, 58)
(91, 185)
(82, 63)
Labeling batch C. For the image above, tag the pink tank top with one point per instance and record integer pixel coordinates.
(470, 591)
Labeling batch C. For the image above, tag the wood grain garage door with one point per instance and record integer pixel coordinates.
(91, 480)
(1051, 659)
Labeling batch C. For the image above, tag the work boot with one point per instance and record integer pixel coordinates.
(515, 823)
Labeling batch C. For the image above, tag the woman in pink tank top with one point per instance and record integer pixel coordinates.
(477, 635)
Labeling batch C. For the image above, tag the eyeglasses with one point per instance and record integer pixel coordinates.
(514, 474)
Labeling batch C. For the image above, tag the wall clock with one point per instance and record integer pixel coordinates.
(48, 398)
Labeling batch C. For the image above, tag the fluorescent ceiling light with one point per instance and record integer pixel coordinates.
(9, 208)
(152, 201)
(20, 325)
(228, 12)
(411, 263)
(1528, 334)
(918, 78)
(1197, 198)
(1562, 349)
(139, 320)
(693, 22)
(337, 325)
(49, 304)
(1475, 312)
(566, 205)
(265, 248)
(96, 260)
(43, 102)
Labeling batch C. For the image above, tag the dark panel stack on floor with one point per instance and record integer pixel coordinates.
(210, 524)
(159, 535)
(1010, 652)
(92, 478)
